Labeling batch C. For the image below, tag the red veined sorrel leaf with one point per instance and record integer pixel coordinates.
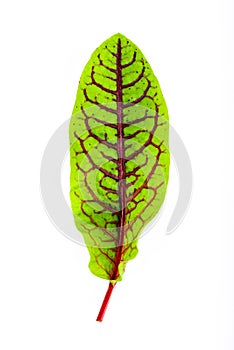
(118, 154)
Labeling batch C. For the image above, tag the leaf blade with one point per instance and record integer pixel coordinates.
(119, 154)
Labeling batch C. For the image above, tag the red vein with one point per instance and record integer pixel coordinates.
(139, 99)
(129, 63)
(101, 106)
(121, 184)
(132, 83)
(103, 65)
(103, 88)
(121, 167)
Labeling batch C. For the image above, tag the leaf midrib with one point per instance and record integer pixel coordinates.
(121, 164)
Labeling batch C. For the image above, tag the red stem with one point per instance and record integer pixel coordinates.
(105, 302)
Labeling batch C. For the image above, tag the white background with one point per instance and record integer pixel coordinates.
(178, 292)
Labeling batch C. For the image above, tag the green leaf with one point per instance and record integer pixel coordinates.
(119, 154)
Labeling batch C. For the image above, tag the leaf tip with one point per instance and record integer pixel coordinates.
(119, 36)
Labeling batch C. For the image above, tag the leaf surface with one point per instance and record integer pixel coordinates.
(118, 154)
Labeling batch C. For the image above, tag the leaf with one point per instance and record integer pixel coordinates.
(119, 155)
